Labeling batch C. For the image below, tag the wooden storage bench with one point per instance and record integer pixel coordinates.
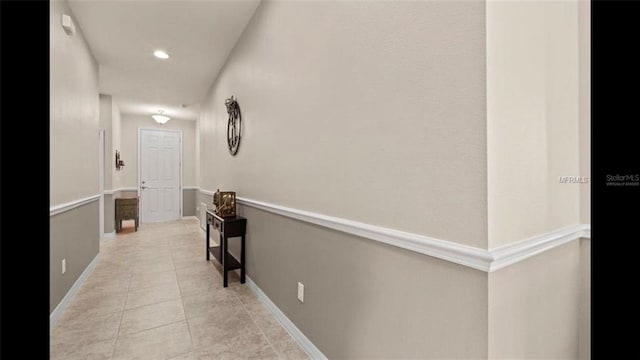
(126, 209)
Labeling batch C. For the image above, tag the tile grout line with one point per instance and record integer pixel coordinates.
(153, 328)
(157, 303)
(280, 356)
(115, 344)
(186, 318)
(124, 257)
(250, 315)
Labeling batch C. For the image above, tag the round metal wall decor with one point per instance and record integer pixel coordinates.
(234, 126)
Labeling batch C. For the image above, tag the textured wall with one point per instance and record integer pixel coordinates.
(584, 23)
(74, 113)
(74, 121)
(116, 144)
(73, 235)
(532, 118)
(374, 112)
(584, 332)
(369, 111)
(409, 115)
(189, 205)
(364, 299)
(106, 123)
(534, 306)
(109, 212)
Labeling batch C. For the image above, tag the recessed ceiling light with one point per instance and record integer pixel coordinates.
(160, 54)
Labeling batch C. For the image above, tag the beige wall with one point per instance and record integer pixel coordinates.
(409, 115)
(110, 121)
(534, 306)
(116, 144)
(106, 113)
(537, 86)
(364, 299)
(129, 125)
(584, 328)
(369, 111)
(373, 112)
(584, 32)
(109, 212)
(74, 113)
(584, 23)
(74, 121)
(73, 236)
(189, 205)
(532, 118)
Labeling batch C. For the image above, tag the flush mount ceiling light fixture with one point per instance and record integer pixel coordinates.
(161, 54)
(160, 118)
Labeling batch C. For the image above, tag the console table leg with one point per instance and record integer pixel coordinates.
(220, 246)
(242, 276)
(223, 246)
(207, 241)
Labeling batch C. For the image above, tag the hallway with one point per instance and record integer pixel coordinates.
(405, 169)
(153, 295)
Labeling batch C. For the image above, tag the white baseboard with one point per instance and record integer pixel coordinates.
(292, 329)
(190, 217)
(55, 314)
(110, 235)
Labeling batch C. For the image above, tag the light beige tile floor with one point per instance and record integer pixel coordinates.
(154, 296)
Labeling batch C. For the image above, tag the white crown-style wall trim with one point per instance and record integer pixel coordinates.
(447, 250)
(476, 258)
(113, 191)
(207, 192)
(59, 209)
(514, 252)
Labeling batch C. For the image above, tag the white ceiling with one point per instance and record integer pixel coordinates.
(197, 34)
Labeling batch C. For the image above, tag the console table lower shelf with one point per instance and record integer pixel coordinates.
(227, 228)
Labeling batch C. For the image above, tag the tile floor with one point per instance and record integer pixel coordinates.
(154, 296)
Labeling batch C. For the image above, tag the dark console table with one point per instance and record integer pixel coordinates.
(227, 227)
(126, 209)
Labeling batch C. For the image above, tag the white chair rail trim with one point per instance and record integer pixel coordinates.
(476, 258)
(113, 191)
(59, 209)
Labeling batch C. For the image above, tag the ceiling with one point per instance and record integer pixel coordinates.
(197, 34)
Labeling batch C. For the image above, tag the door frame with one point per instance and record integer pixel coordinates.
(140, 129)
(101, 175)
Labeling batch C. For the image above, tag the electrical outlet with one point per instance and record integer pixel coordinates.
(64, 265)
(300, 292)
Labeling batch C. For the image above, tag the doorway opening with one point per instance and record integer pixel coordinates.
(159, 175)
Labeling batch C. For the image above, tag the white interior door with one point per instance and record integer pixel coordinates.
(160, 175)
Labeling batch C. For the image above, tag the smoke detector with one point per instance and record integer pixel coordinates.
(68, 25)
